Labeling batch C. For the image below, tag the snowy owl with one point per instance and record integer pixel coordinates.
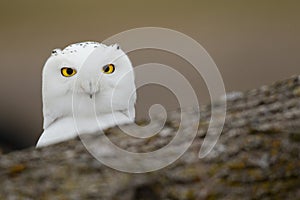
(87, 87)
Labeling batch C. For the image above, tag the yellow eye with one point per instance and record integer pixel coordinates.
(67, 72)
(108, 69)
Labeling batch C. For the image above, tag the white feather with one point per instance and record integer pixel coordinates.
(90, 100)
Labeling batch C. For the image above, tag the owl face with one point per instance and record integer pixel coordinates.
(90, 78)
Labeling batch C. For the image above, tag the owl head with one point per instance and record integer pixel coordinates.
(89, 78)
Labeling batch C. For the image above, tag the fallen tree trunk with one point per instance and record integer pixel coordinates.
(256, 157)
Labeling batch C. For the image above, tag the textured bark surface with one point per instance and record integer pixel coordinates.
(256, 157)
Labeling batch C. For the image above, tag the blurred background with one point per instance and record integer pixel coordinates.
(252, 42)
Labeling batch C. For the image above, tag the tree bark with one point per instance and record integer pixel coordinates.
(256, 157)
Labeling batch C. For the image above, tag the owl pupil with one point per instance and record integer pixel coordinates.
(69, 71)
(106, 69)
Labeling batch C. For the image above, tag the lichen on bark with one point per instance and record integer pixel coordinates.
(256, 157)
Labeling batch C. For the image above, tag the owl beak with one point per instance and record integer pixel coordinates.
(89, 88)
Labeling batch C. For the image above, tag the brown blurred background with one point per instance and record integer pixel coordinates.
(252, 42)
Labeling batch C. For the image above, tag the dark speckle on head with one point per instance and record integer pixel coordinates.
(55, 52)
(74, 48)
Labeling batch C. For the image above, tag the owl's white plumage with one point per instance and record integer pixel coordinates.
(90, 100)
